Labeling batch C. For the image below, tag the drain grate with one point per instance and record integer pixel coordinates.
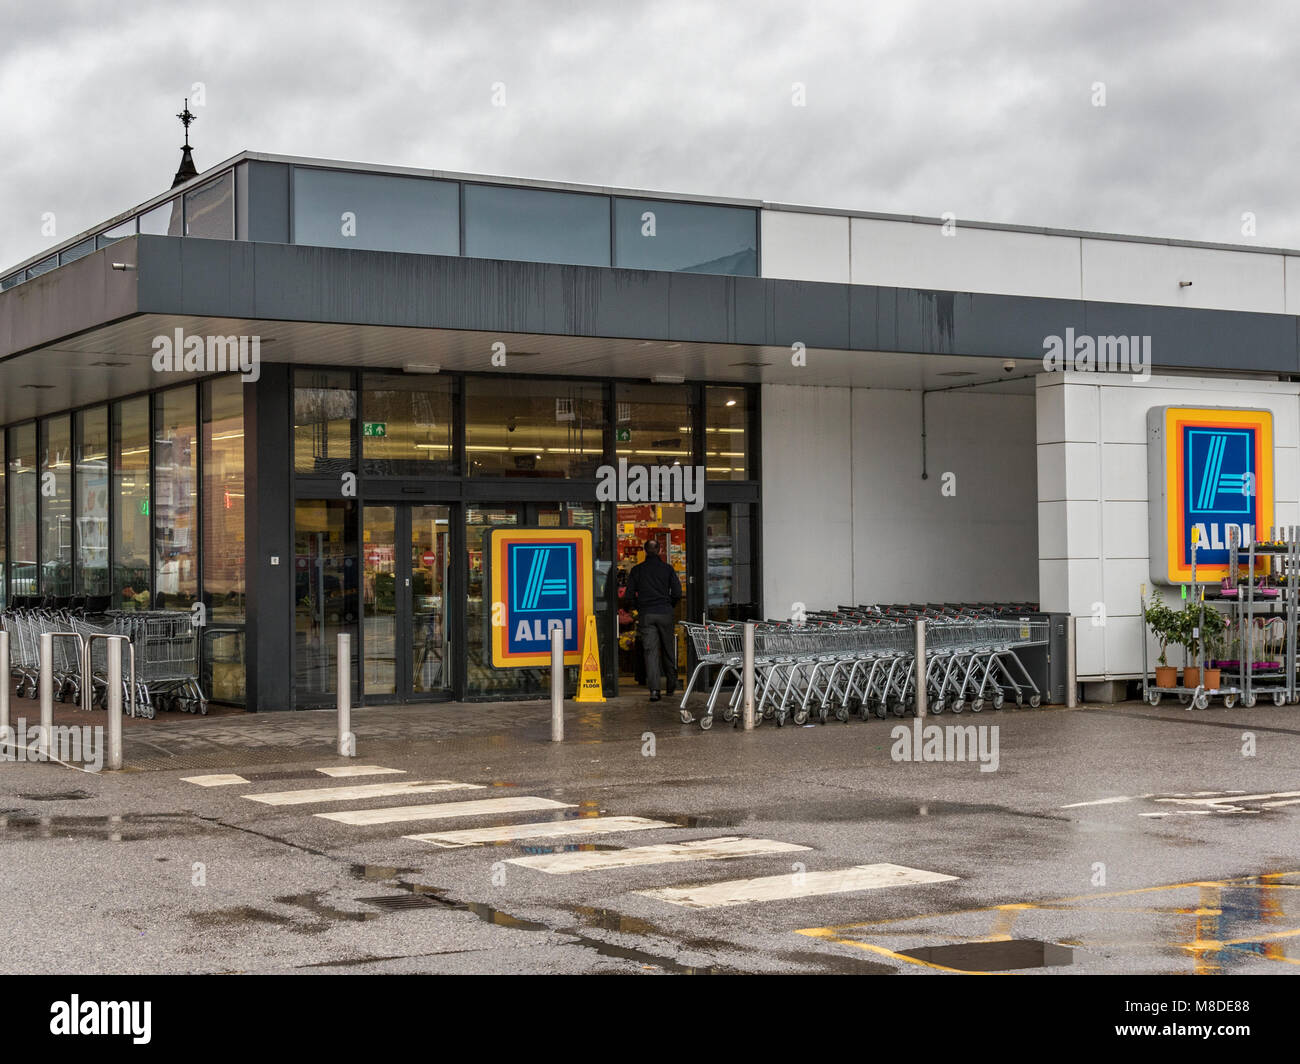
(398, 902)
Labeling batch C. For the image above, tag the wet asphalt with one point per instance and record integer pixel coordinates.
(142, 872)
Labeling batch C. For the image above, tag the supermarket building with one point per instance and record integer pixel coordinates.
(298, 391)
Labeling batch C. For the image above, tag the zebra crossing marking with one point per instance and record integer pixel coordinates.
(222, 779)
(664, 853)
(359, 792)
(443, 810)
(341, 771)
(795, 885)
(543, 829)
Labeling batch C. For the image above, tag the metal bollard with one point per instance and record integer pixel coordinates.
(347, 746)
(921, 693)
(749, 676)
(557, 685)
(114, 759)
(1071, 667)
(6, 736)
(47, 696)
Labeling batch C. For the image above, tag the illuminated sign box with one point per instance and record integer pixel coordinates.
(536, 579)
(1209, 469)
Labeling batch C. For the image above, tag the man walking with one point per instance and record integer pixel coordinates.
(654, 591)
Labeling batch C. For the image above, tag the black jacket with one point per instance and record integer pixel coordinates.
(652, 587)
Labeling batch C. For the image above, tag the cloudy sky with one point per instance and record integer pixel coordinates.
(986, 108)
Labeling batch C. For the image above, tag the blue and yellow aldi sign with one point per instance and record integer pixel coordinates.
(1210, 472)
(536, 578)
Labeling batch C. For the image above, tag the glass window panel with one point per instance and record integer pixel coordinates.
(210, 210)
(21, 483)
(325, 595)
(163, 220)
(653, 424)
(325, 410)
(536, 225)
(11, 280)
(175, 499)
(4, 528)
(379, 599)
(131, 523)
(726, 435)
(118, 232)
(44, 266)
(430, 568)
(406, 424)
(90, 575)
(685, 237)
(224, 588)
(56, 507)
(729, 547)
(77, 251)
(377, 212)
(481, 679)
(534, 428)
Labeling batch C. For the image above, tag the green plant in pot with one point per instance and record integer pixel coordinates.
(1165, 625)
(1214, 634)
(1195, 622)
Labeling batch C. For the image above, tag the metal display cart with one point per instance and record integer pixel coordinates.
(1264, 611)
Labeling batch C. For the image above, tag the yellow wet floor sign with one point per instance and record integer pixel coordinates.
(589, 685)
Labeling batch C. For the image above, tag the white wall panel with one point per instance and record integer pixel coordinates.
(805, 247)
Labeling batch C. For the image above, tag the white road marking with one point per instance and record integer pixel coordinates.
(667, 853)
(341, 771)
(360, 792)
(791, 885)
(596, 825)
(1106, 801)
(1274, 805)
(444, 810)
(220, 780)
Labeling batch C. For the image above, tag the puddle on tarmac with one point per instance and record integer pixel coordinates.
(57, 796)
(239, 914)
(863, 810)
(713, 820)
(130, 827)
(609, 920)
(1008, 955)
(375, 873)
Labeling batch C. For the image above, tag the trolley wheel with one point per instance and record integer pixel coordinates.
(1229, 701)
(728, 713)
(823, 714)
(999, 700)
(958, 704)
(1184, 699)
(779, 717)
(854, 705)
(686, 717)
(1153, 697)
(882, 710)
(706, 722)
(800, 716)
(976, 704)
(1249, 700)
(898, 708)
(936, 707)
(1035, 701)
(1279, 698)
(1202, 701)
(842, 714)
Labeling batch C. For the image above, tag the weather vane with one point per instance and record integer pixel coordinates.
(186, 118)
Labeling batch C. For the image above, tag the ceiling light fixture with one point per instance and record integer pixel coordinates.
(668, 378)
(417, 367)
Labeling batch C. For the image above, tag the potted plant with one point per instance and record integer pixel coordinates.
(1214, 633)
(1164, 624)
(1191, 629)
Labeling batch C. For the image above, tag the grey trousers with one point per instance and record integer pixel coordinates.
(660, 650)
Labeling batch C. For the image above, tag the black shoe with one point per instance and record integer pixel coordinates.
(654, 696)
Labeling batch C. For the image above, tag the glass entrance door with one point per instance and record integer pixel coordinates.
(406, 561)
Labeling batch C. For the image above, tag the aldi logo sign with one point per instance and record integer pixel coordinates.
(536, 579)
(1210, 473)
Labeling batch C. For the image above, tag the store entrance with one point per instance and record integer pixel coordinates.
(406, 568)
(636, 524)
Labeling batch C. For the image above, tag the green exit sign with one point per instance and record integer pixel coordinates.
(624, 436)
(144, 507)
(374, 428)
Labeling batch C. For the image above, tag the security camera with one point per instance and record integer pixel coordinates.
(1008, 365)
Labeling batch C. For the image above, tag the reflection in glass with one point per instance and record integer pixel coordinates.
(118, 232)
(56, 507)
(325, 410)
(534, 428)
(379, 600)
(536, 225)
(430, 565)
(163, 220)
(325, 594)
(224, 550)
(131, 524)
(654, 424)
(481, 678)
(406, 425)
(685, 237)
(22, 510)
(726, 420)
(376, 212)
(91, 571)
(4, 528)
(77, 251)
(175, 501)
(728, 539)
(210, 209)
